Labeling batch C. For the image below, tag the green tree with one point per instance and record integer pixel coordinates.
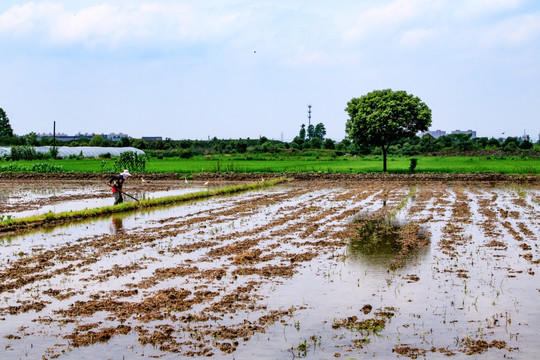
(310, 132)
(428, 144)
(382, 117)
(5, 127)
(510, 144)
(31, 139)
(140, 144)
(314, 143)
(320, 131)
(526, 145)
(97, 140)
(329, 144)
(125, 142)
(298, 141)
(302, 134)
(493, 143)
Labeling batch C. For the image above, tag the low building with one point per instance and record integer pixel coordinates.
(65, 137)
(152, 138)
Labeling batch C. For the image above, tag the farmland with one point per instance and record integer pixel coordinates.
(305, 269)
(273, 163)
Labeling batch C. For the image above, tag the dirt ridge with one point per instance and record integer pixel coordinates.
(489, 177)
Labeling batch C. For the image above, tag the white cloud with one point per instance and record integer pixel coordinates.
(387, 18)
(480, 7)
(517, 31)
(22, 19)
(292, 34)
(110, 24)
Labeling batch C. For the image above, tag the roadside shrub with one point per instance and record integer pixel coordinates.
(412, 167)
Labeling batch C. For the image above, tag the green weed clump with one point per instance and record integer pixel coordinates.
(34, 168)
(7, 224)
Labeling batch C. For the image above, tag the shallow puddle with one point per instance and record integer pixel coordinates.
(284, 273)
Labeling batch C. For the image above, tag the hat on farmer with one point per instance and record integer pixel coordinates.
(125, 173)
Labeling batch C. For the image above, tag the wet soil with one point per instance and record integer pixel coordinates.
(488, 177)
(21, 194)
(279, 273)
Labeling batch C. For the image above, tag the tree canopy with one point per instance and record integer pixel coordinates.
(5, 127)
(383, 117)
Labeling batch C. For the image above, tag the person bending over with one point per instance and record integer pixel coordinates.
(116, 183)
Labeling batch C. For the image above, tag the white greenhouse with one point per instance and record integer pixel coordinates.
(86, 151)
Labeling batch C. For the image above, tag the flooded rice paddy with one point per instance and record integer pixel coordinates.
(314, 270)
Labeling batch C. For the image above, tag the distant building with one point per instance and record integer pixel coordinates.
(152, 138)
(436, 134)
(471, 132)
(64, 137)
(115, 137)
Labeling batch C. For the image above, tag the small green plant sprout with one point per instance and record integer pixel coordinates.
(301, 350)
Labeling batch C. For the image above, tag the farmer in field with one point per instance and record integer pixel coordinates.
(116, 183)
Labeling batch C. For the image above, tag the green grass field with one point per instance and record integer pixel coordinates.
(290, 164)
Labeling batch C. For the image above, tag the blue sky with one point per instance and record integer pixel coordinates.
(238, 69)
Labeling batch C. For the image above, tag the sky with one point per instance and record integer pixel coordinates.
(243, 69)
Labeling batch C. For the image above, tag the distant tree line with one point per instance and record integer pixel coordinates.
(310, 139)
(454, 144)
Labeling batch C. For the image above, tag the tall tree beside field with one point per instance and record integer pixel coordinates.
(382, 117)
(320, 131)
(302, 134)
(5, 127)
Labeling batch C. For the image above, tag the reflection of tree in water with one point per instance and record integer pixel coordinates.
(117, 226)
(386, 243)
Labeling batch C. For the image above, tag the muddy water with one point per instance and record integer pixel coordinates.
(30, 198)
(275, 274)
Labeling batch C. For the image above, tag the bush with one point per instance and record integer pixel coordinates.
(25, 153)
(53, 152)
(412, 167)
(187, 153)
(132, 161)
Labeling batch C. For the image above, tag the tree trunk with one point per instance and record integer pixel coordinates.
(384, 157)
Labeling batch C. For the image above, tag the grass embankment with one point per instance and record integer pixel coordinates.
(54, 218)
(270, 163)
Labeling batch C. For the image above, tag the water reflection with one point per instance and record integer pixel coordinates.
(117, 226)
(387, 243)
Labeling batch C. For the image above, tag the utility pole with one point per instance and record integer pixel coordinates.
(309, 122)
(54, 138)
